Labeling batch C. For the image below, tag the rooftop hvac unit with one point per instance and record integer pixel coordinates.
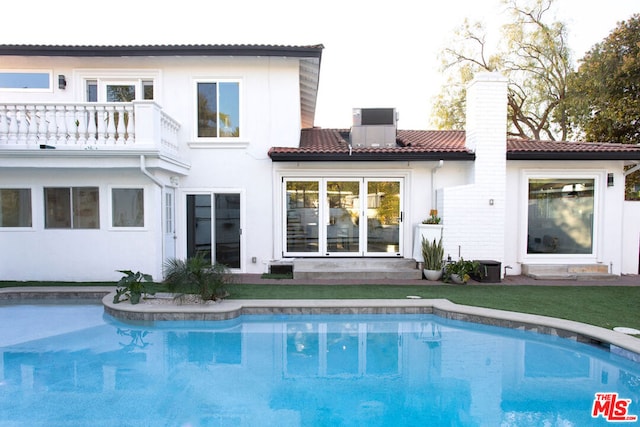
(374, 127)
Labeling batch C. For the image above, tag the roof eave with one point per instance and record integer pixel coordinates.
(600, 155)
(369, 157)
(314, 51)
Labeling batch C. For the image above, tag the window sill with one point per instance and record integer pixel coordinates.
(218, 144)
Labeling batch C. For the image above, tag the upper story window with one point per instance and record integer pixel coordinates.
(99, 90)
(218, 109)
(25, 80)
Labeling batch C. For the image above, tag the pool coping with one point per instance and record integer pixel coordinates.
(617, 342)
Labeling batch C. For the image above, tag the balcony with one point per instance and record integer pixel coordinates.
(139, 126)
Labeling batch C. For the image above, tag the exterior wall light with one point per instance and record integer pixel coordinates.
(62, 81)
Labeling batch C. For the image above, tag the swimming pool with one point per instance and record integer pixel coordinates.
(71, 364)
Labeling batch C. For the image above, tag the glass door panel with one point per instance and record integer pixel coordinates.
(343, 210)
(227, 229)
(169, 224)
(199, 225)
(383, 217)
(302, 216)
(214, 230)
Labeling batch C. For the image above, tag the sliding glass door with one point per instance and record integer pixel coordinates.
(213, 227)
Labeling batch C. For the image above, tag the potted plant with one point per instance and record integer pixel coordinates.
(460, 271)
(132, 286)
(433, 254)
(433, 217)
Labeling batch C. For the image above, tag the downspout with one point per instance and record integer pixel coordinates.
(143, 169)
(433, 191)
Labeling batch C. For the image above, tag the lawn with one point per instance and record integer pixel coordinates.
(605, 306)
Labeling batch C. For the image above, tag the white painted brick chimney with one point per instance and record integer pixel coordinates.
(474, 214)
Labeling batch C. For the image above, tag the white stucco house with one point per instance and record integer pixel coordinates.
(120, 157)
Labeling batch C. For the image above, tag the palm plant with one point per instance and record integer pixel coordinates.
(198, 276)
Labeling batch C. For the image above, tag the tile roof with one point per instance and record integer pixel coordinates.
(318, 144)
(563, 150)
(333, 144)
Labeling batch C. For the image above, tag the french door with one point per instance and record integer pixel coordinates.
(213, 227)
(169, 225)
(343, 217)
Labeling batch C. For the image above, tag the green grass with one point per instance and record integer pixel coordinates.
(605, 306)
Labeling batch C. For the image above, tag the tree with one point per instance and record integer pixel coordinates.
(533, 56)
(604, 94)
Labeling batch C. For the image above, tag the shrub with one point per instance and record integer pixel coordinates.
(197, 276)
(461, 268)
(433, 254)
(132, 286)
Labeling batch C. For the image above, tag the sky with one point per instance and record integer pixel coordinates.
(377, 53)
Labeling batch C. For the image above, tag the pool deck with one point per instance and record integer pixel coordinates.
(617, 342)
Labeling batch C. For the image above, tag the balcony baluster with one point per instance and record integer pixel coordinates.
(32, 129)
(4, 125)
(88, 125)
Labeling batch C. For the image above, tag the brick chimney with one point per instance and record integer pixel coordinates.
(486, 128)
(474, 214)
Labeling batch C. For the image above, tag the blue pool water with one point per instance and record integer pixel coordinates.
(72, 365)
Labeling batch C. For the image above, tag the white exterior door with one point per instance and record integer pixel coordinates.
(169, 223)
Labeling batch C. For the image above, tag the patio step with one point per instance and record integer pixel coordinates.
(567, 272)
(356, 268)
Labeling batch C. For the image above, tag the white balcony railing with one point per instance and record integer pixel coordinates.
(88, 126)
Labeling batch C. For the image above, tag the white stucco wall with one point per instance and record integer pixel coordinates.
(421, 181)
(631, 238)
(81, 254)
(270, 116)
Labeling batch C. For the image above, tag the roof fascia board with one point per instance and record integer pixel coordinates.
(573, 156)
(369, 157)
(163, 50)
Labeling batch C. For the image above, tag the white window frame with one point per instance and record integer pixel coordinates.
(599, 179)
(33, 208)
(181, 218)
(220, 142)
(324, 175)
(72, 201)
(118, 77)
(29, 71)
(145, 207)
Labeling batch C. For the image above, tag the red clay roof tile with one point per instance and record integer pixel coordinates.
(321, 144)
